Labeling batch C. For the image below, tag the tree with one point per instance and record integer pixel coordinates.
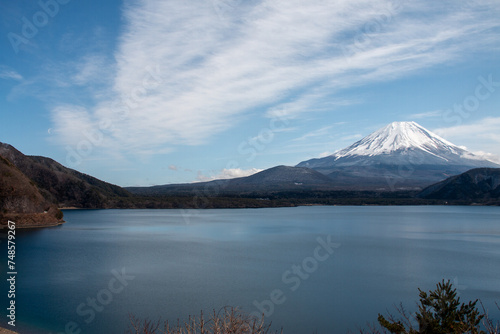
(439, 312)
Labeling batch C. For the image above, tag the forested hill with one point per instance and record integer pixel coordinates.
(62, 185)
(21, 200)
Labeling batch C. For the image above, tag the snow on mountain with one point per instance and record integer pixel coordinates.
(400, 143)
(399, 136)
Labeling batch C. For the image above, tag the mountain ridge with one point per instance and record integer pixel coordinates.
(272, 179)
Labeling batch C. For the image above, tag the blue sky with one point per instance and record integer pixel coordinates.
(169, 91)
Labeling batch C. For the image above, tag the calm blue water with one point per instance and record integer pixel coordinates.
(173, 263)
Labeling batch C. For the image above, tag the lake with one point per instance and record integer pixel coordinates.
(318, 269)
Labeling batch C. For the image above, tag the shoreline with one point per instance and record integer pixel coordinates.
(292, 206)
(37, 225)
(41, 225)
(59, 223)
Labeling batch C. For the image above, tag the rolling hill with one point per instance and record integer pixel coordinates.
(279, 178)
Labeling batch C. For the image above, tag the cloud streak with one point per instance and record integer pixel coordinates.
(184, 73)
(484, 133)
(8, 73)
(227, 174)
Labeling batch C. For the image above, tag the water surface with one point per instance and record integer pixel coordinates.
(178, 262)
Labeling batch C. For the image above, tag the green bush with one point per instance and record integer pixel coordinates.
(439, 312)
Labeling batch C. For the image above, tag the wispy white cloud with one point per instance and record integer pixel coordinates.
(479, 137)
(184, 72)
(8, 73)
(321, 132)
(426, 114)
(227, 174)
(353, 137)
(72, 123)
(325, 154)
(485, 128)
(91, 69)
(92, 72)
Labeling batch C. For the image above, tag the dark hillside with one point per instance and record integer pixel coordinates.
(476, 185)
(63, 185)
(21, 201)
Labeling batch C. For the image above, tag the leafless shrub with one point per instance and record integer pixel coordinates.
(228, 320)
(490, 326)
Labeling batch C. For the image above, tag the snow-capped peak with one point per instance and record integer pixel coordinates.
(401, 152)
(397, 137)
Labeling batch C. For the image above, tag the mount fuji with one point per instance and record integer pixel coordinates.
(401, 155)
